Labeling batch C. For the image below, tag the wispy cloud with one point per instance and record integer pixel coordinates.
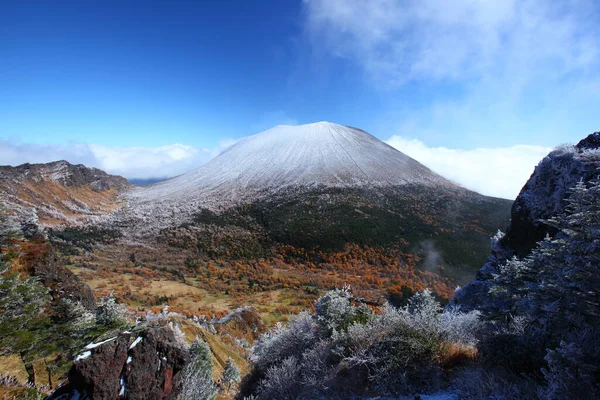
(402, 40)
(499, 172)
(131, 162)
(512, 67)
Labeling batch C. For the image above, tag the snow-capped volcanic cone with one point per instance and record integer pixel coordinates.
(281, 161)
(318, 154)
(322, 186)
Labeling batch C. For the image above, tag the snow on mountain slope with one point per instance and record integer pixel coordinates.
(278, 160)
(321, 153)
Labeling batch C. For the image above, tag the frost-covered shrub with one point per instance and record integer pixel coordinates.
(574, 368)
(284, 341)
(110, 314)
(315, 366)
(404, 361)
(459, 327)
(282, 381)
(75, 315)
(231, 374)
(398, 349)
(178, 334)
(335, 312)
(396, 352)
(197, 380)
(197, 387)
(424, 308)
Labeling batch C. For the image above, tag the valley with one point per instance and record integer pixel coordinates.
(228, 276)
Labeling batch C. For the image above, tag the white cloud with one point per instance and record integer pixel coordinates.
(402, 40)
(130, 162)
(492, 71)
(498, 172)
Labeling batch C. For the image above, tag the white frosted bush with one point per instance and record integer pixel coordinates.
(284, 341)
(281, 381)
(459, 327)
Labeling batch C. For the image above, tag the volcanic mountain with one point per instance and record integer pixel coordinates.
(286, 158)
(318, 154)
(319, 185)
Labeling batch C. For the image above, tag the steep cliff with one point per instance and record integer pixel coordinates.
(543, 196)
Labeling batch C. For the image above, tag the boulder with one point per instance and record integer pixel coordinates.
(147, 367)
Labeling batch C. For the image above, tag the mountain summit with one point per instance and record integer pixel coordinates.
(318, 154)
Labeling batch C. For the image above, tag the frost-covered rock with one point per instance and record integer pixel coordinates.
(542, 197)
(112, 369)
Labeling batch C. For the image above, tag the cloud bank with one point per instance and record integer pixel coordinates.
(130, 162)
(498, 172)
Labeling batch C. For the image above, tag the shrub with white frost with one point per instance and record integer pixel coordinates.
(110, 314)
(394, 352)
(459, 327)
(197, 383)
(284, 341)
(281, 381)
(231, 374)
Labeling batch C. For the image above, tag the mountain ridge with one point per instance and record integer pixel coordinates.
(60, 193)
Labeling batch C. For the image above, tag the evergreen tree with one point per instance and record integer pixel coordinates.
(231, 374)
(24, 321)
(557, 288)
(197, 383)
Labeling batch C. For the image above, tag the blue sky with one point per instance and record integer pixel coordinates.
(171, 83)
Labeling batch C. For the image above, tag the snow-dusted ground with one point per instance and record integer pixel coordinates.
(318, 154)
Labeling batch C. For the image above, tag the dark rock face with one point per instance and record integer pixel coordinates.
(99, 375)
(154, 371)
(62, 282)
(590, 142)
(149, 368)
(542, 197)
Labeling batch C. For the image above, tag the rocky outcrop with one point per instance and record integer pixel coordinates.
(143, 366)
(542, 197)
(62, 282)
(37, 258)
